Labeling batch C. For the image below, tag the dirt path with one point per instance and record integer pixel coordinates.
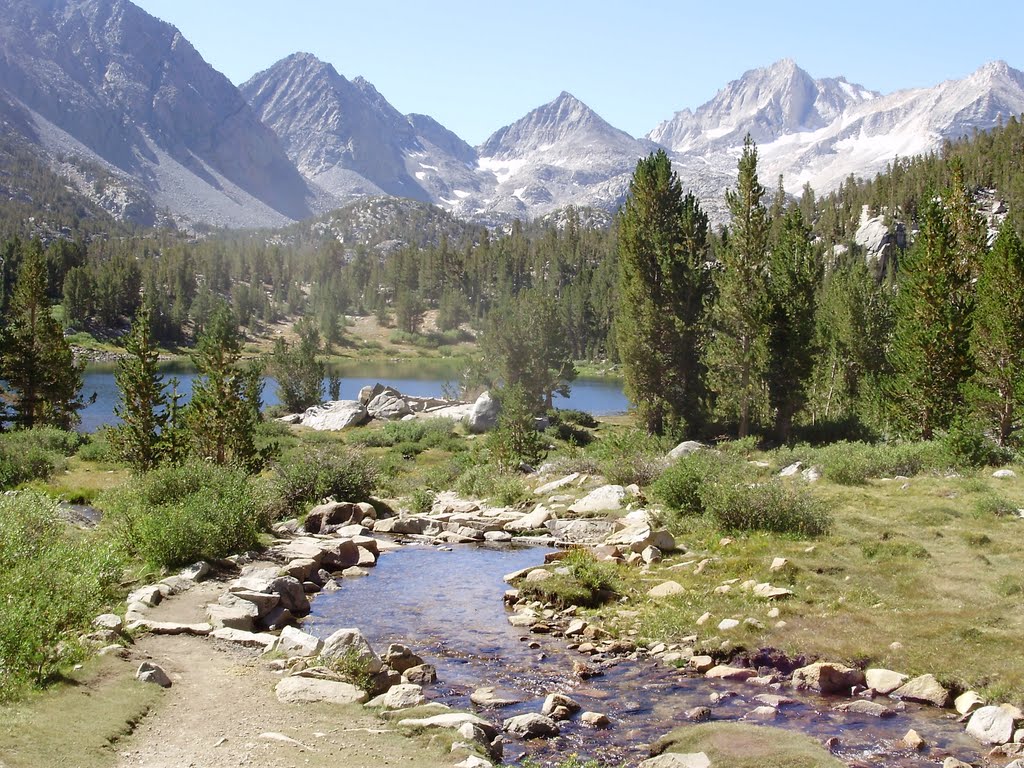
(222, 704)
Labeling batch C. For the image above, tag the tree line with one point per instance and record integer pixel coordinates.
(771, 329)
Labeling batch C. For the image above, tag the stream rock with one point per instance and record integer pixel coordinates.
(309, 690)
(401, 696)
(865, 707)
(925, 690)
(531, 726)
(587, 531)
(992, 725)
(827, 677)
(351, 640)
(556, 701)
(424, 674)
(488, 696)
(884, 681)
(967, 702)
(531, 521)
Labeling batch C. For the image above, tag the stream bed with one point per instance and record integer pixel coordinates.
(447, 607)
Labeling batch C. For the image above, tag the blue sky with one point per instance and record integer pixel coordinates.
(476, 66)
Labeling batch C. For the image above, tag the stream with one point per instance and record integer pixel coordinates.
(447, 607)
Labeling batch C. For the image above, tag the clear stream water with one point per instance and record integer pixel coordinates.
(447, 606)
(426, 378)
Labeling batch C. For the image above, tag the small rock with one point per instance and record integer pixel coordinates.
(555, 700)
(1004, 474)
(827, 677)
(595, 719)
(726, 624)
(763, 713)
(701, 663)
(423, 674)
(306, 690)
(666, 589)
(778, 564)
(913, 740)
(531, 725)
(698, 714)
(402, 696)
(967, 702)
(489, 697)
(148, 672)
(109, 621)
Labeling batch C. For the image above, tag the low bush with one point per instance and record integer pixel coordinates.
(310, 474)
(177, 515)
(630, 456)
(773, 506)
(427, 433)
(420, 501)
(35, 454)
(683, 487)
(571, 416)
(992, 504)
(53, 580)
(97, 449)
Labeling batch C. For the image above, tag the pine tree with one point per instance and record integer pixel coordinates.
(997, 338)
(143, 407)
(737, 356)
(43, 379)
(299, 375)
(930, 351)
(796, 273)
(524, 346)
(664, 289)
(224, 411)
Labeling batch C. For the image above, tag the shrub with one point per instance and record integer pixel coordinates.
(312, 473)
(571, 416)
(631, 456)
(994, 505)
(684, 485)
(420, 501)
(176, 515)
(774, 506)
(429, 433)
(53, 581)
(969, 447)
(35, 454)
(515, 440)
(856, 463)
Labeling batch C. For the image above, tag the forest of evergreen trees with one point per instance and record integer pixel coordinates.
(768, 326)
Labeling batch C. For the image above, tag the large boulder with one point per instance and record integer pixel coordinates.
(826, 677)
(607, 498)
(531, 521)
(334, 415)
(640, 535)
(332, 513)
(924, 690)
(389, 405)
(351, 640)
(402, 696)
(293, 596)
(585, 531)
(884, 681)
(484, 414)
(685, 449)
(992, 725)
(309, 690)
(295, 642)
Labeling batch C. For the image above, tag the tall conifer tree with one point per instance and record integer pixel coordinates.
(796, 271)
(40, 370)
(738, 353)
(997, 337)
(143, 406)
(664, 291)
(224, 411)
(930, 351)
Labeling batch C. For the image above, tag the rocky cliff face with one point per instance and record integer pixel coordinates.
(345, 137)
(106, 83)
